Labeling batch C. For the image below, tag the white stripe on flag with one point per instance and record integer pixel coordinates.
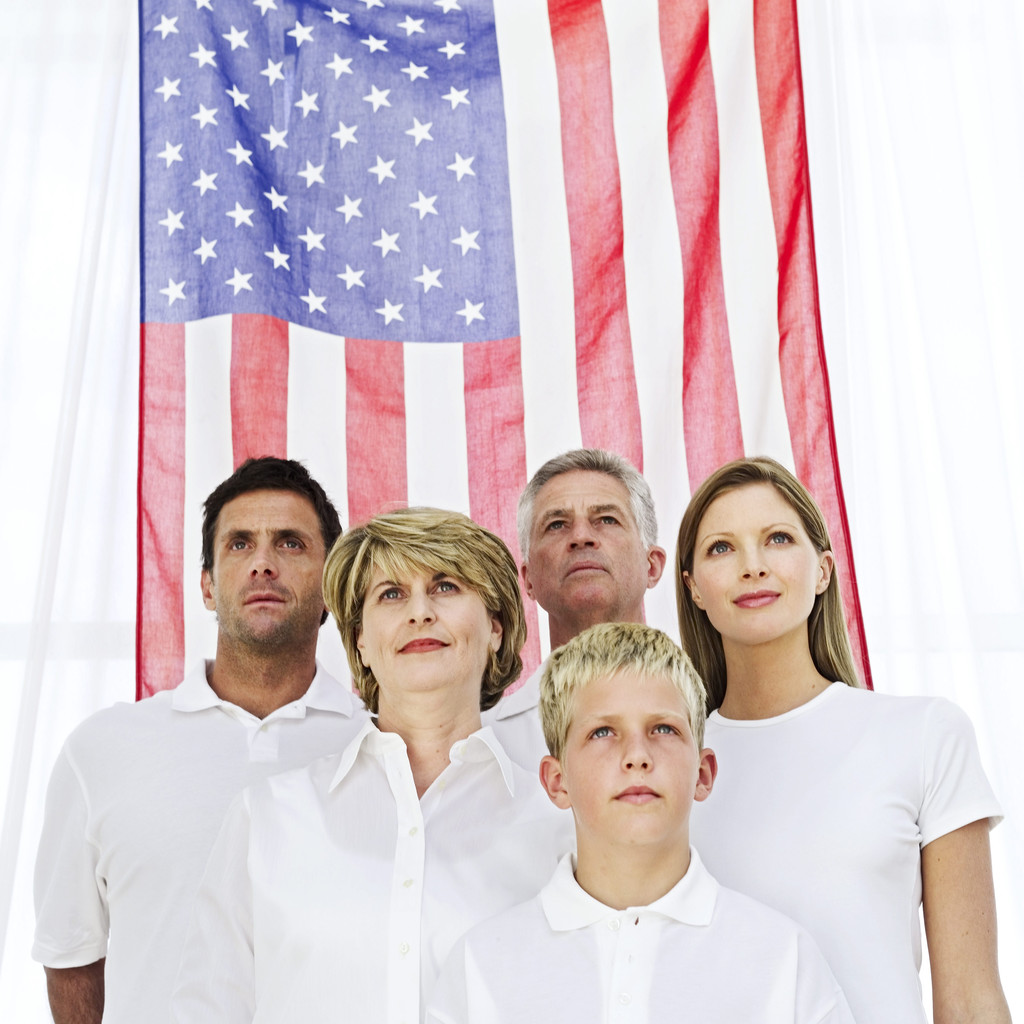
(540, 225)
(749, 252)
(435, 426)
(208, 456)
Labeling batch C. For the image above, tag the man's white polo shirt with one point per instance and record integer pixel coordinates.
(334, 893)
(135, 801)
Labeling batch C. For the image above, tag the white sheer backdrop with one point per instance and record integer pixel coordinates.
(916, 130)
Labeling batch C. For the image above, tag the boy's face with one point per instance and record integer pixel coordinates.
(630, 769)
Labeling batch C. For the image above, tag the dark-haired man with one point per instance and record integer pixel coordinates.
(588, 543)
(139, 790)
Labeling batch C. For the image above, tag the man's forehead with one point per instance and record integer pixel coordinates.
(581, 491)
(268, 510)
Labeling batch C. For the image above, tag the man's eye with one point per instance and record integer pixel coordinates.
(291, 542)
(237, 545)
(556, 524)
(608, 521)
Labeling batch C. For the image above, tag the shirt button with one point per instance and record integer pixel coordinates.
(613, 924)
(413, 830)
(407, 883)
(625, 998)
(403, 948)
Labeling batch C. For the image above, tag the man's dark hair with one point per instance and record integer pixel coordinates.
(268, 474)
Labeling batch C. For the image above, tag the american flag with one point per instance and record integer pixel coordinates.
(425, 246)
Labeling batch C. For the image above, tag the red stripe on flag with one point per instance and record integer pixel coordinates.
(160, 615)
(801, 347)
(496, 447)
(259, 387)
(609, 406)
(374, 427)
(711, 412)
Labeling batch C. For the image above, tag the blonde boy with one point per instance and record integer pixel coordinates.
(632, 928)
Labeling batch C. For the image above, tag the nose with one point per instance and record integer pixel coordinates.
(637, 755)
(420, 607)
(753, 565)
(264, 562)
(582, 534)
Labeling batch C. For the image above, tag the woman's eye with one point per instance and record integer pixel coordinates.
(718, 548)
(779, 537)
(390, 594)
(447, 586)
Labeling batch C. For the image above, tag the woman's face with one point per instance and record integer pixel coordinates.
(425, 632)
(755, 570)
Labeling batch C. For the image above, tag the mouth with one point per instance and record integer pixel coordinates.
(638, 795)
(591, 566)
(423, 645)
(756, 599)
(265, 597)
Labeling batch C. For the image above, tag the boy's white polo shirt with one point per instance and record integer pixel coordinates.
(701, 953)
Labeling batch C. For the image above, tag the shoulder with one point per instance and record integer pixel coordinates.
(510, 933)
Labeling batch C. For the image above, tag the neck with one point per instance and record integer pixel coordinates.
(260, 683)
(770, 679)
(561, 631)
(429, 724)
(629, 876)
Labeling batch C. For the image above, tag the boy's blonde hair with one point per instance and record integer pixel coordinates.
(605, 650)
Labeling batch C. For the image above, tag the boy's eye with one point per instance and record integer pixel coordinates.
(600, 732)
(665, 728)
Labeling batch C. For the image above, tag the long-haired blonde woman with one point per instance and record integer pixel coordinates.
(846, 809)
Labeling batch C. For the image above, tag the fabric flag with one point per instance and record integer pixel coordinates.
(425, 246)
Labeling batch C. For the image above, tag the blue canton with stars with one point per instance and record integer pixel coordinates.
(338, 166)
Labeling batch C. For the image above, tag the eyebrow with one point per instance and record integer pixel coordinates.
(591, 510)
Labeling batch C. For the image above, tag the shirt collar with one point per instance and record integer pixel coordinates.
(325, 693)
(568, 907)
(525, 698)
(480, 746)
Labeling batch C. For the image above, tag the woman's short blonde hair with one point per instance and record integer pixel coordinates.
(604, 650)
(826, 625)
(435, 541)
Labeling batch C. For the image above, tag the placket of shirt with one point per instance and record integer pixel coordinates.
(264, 735)
(406, 911)
(629, 946)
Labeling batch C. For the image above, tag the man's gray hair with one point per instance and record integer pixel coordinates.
(590, 460)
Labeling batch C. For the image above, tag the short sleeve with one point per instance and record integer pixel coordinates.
(956, 790)
(72, 919)
(216, 980)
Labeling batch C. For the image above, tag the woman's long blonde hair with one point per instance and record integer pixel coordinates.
(826, 625)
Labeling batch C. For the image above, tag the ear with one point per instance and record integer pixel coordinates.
(524, 574)
(692, 588)
(497, 632)
(360, 647)
(656, 559)
(552, 778)
(206, 583)
(707, 770)
(827, 564)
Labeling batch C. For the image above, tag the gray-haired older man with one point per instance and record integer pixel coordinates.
(587, 533)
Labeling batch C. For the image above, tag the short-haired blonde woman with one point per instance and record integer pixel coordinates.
(843, 808)
(334, 893)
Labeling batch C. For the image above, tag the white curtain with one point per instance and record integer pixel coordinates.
(916, 133)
